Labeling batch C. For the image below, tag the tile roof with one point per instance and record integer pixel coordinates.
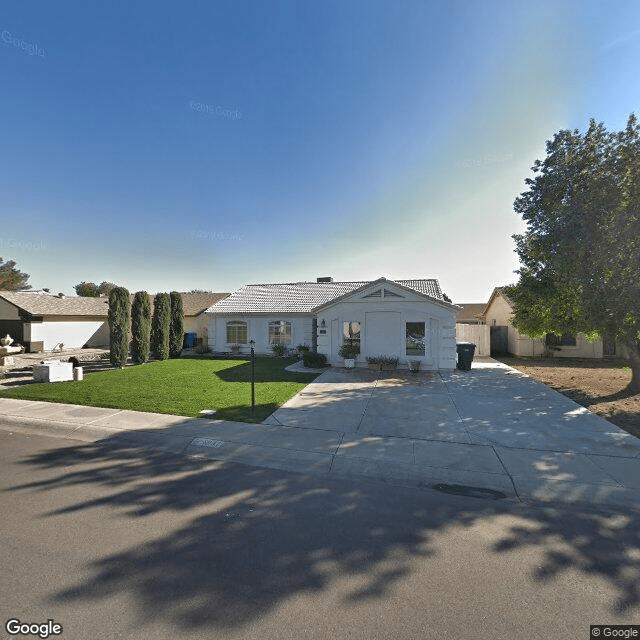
(304, 297)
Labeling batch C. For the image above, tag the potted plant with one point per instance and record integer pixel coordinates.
(414, 365)
(389, 363)
(235, 349)
(349, 352)
(374, 363)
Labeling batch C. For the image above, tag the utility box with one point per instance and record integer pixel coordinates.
(53, 371)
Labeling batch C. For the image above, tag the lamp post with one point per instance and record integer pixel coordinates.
(252, 342)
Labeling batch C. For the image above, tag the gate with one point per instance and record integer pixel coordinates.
(608, 345)
(499, 341)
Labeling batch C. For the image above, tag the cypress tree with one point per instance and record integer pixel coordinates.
(119, 326)
(176, 329)
(140, 327)
(160, 326)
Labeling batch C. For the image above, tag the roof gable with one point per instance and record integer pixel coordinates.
(497, 292)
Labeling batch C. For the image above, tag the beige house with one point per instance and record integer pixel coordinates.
(505, 339)
(41, 321)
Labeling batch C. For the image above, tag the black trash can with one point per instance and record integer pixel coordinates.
(465, 354)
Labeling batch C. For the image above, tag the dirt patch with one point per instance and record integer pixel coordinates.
(598, 385)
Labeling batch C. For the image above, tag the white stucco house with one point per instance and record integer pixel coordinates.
(408, 319)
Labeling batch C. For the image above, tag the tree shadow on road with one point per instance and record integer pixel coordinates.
(243, 539)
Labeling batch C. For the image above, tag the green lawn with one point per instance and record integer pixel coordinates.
(182, 387)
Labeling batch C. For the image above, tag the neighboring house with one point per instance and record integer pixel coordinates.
(470, 327)
(41, 321)
(405, 318)
(195, 318)
(505, 339)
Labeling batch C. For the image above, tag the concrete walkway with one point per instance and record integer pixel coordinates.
(489, 428)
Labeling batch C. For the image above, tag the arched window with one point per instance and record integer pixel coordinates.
(279, 332)
(236, 332)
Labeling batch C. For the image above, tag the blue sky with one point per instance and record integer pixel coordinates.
(208, 145)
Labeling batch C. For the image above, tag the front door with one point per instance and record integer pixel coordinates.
(382, 333)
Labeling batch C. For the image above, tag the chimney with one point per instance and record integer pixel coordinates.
(325, 279)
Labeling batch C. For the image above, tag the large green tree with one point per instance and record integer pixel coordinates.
(580, 253)
(93, 290)
(12, 279)
(160, 323)
(176, 327)
(119, 309)
(140, 327)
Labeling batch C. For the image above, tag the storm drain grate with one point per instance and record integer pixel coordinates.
(470, 492)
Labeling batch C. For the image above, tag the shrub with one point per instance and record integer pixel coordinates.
(314, 360)
(349, 351)
(160, 326)
(118, 317)
(176, 327)
(278, 349)
(140, 327)
(303, 348)
(202, 349)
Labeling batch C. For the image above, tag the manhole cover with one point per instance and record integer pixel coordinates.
(470, 492)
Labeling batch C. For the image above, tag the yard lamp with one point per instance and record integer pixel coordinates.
(252, 342)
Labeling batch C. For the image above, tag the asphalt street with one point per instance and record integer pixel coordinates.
(125, 542)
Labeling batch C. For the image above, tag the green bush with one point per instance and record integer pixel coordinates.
(176, 327)
(140, 327)
(160, 326)
(349, 351)
(118, 317)
(278, 350)
(314, 360)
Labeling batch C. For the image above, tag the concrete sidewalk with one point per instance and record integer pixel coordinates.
(489, 428)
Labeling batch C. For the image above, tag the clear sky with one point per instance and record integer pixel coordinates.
(206, 145)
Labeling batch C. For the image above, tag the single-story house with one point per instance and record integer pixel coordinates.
(506, 339)
(408, 319)
(40, 320)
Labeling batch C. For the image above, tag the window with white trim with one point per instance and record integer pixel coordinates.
(279, 332)
(236, 332)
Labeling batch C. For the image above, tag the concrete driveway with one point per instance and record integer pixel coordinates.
(491, 429)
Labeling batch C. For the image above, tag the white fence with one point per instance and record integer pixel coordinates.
(478, 333)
